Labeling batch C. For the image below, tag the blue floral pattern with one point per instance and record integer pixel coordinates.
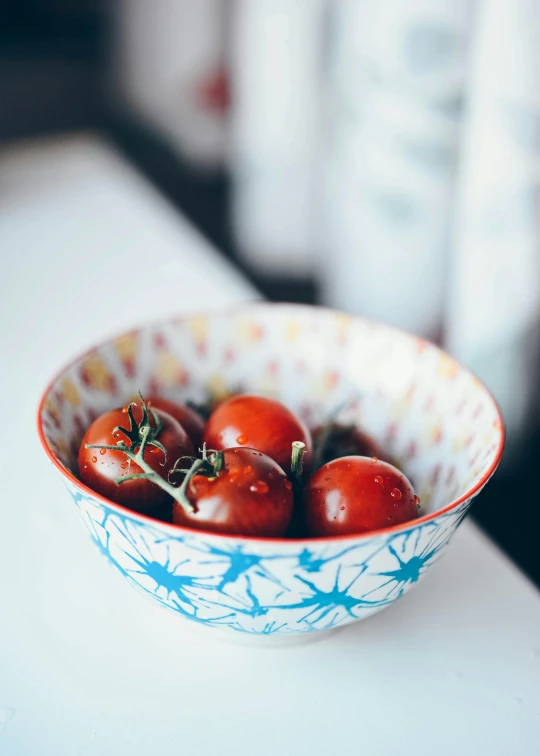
(260, 588)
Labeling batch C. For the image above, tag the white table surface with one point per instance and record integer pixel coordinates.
(88, 667)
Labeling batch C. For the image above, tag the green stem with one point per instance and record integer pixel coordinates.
(181, 497)
(297, 460)
(148, 472)
(218, 462)
(144, 433)
(176, 467)
(119, 447)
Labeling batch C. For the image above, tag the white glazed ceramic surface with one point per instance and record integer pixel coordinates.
(436, 420)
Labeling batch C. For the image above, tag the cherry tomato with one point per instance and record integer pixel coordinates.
(98, 468)
(258, 423)
(335, 440)
(250, 496)
(354, 495)
(190, 420)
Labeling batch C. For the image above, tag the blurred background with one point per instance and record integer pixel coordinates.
(382, 158)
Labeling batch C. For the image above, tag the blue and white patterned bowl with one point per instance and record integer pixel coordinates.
(434, 417)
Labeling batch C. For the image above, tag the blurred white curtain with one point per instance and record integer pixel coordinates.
(275, 130)
(493, 316)
(397, 73)
(170, 68)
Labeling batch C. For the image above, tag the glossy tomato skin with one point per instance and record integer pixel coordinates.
(251, 496)
(353, 495)
(345, 441)
(190, 420)
(259, 423)
(98, 468)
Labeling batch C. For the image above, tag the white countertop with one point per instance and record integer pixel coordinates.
(88, 667)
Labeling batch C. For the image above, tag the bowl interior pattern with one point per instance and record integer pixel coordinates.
(436, 420)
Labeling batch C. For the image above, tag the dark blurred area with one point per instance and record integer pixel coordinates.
(70, 65)
(51, 54)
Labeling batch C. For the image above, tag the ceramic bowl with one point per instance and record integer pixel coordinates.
(435, 418)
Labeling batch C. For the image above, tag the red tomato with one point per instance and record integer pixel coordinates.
(343, 441)
(258, 423)
(250, 496)
(354, 495)
(98, 468)
(190, 420)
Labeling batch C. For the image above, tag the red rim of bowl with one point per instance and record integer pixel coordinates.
(246, 307)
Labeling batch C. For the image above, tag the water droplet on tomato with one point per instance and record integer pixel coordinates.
(103, 451)
(270, 476)
(248, 469)
(241, 439)
(94, 459)
(123, 465)
(155, 450)
(342, 509)
(85, 467)
(395, 493)
(378, 480)
(260, 454)
(374, 460)
(327, 480)
(288, 484)
(259, 487)
(124, 410)
(417, 501)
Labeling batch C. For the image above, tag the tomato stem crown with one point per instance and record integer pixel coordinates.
(209, 466)
(140, 436)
